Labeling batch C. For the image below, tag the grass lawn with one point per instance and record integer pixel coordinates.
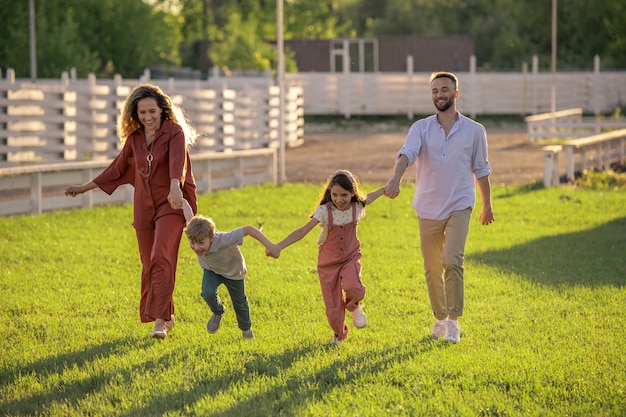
(542, 334)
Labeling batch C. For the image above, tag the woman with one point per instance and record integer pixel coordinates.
(155, 161)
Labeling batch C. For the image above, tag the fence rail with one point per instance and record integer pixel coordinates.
(38, 188)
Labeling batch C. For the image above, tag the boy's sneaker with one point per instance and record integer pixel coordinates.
(439, 330)
(247, 334)
(358, 318)
(214, 322)
(453, 334)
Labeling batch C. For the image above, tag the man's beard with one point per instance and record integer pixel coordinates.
(445, 106)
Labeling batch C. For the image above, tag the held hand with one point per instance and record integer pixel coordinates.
(273, 251)
(486, 216)
(175, 198)
(392, 189)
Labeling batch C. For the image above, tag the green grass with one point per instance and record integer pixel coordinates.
(542, 334)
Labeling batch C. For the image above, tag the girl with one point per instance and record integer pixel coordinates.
(341, 207)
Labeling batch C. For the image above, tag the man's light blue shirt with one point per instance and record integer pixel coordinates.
(447, 167)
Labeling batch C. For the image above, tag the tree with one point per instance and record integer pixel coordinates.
(14, 48)
(240, 47)
(101, 36)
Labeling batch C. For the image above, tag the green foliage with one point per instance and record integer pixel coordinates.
(102, 36)
(543, 285)
(611, 179)
(66, 50)
(239, 47)
(14, 47)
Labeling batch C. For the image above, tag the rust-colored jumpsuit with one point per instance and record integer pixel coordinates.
(158, 227)
(339, 268)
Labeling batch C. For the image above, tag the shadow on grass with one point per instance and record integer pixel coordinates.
(513, 190)
(57, 365)
(588, 258)
(287, 392)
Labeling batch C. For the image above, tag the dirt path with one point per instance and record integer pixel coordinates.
(371, 156)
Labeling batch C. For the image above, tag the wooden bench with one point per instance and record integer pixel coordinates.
(557, 124)
(597, 151)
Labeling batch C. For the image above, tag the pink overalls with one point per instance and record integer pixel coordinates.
(339, 268)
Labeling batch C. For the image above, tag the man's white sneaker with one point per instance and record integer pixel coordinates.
(453, 334)
(439, 330)
(358, 318)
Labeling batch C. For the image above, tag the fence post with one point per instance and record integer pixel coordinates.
(87, 198)
(524, 88)
(409, 72)
(596, 82)
(474, 89)
(35, 193)
(535, 76)
(345, 93)
(145, 77)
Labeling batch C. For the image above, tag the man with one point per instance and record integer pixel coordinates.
(450, 153)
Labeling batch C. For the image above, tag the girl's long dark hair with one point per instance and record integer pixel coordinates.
(347, 181)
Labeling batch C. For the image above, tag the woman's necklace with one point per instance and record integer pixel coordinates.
(150, 157)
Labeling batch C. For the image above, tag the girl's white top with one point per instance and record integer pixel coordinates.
(339, 218)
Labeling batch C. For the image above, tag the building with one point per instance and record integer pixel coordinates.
(383, 53)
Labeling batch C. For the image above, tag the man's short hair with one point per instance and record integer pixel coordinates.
(444, 74)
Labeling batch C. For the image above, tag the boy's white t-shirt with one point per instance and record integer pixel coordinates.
(339, 218)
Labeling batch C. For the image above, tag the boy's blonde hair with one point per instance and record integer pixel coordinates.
(200, 228)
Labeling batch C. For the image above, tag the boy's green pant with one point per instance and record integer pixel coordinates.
(237, 290)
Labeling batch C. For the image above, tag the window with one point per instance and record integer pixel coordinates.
(354, 55)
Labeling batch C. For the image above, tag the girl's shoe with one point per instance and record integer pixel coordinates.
(358, 318)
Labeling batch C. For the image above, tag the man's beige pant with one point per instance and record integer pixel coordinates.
(443, 249)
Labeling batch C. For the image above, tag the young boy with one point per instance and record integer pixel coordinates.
(223, 263)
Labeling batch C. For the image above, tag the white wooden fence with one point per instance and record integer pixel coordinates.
(38, 188)
(482, 93)
(75, 120)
